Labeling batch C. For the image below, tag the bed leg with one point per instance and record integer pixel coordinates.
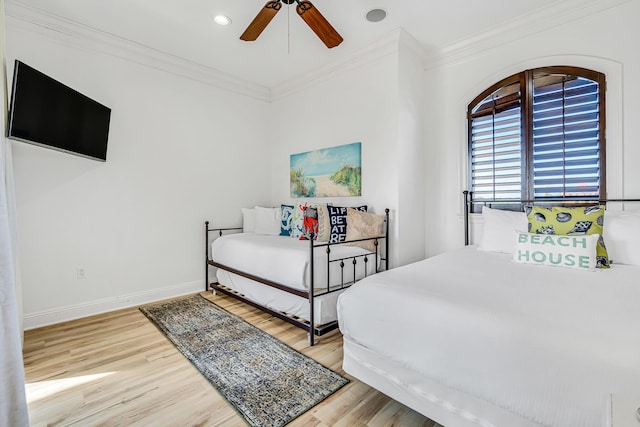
(206, 255)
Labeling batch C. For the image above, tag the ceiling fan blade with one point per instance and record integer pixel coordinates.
(261, 21)
(314, 19)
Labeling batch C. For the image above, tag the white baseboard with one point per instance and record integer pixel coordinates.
(77, 311)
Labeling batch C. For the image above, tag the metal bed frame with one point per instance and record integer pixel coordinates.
(469, 204)
(306, 324)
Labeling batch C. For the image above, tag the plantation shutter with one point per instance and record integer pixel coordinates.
(496, 151)
(537, 135)
(566, 137)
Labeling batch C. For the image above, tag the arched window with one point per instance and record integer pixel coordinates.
(539, 134)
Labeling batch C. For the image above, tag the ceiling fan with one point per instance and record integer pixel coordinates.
(307, 11)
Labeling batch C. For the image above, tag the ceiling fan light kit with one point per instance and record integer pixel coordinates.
(306, 10)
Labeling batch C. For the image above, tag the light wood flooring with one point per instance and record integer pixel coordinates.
(117, 369)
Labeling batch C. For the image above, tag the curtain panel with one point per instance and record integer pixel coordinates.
(13, 407)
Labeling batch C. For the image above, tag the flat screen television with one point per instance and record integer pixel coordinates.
(47, 113)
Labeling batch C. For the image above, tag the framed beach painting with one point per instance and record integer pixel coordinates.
(329, 172)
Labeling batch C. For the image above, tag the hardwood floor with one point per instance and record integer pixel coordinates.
(117, 369)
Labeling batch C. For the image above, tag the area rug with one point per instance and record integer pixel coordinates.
(268, 382)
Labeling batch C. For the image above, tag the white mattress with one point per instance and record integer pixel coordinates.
(286, 260)
(546, 344)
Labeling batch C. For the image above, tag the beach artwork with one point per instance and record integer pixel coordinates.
(329, 172)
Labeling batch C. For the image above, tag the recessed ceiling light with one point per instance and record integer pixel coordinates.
(376, 15)
(222, 20)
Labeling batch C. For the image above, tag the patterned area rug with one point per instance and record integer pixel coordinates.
(268, 382)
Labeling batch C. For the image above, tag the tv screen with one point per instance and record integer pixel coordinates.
(47, 113)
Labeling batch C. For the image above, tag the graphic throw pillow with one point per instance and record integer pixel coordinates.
(309, 222)
(296, 223)
(286, 219)
(363, 225)
(577, 251)
(569, 222)
(338, 222)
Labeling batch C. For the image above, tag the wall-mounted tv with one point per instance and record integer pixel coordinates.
(47, 113)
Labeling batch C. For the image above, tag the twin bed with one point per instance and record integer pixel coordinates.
(298, 281)
(470, 337)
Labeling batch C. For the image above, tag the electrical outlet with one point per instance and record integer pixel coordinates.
(80, 273)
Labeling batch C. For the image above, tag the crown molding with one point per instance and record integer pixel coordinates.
(556, 15)
(407, 43)
(83, 37)
(378, 49)
(87, 38)
(80, 36)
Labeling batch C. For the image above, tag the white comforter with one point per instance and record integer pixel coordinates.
(286, 260)
(546, 343)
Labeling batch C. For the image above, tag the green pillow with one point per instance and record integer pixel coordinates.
(570, 221)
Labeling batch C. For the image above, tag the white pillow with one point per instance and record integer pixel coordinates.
(268, 220)
(248, 220)
(575, 251)
(621, 233)
(498, 228)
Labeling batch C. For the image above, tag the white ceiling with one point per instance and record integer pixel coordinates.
(287, 48)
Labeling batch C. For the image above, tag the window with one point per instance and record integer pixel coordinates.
(539, 134)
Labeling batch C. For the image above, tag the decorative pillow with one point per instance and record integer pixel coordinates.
(557, 250)
(363, 225)
(267, 220)
(498, 228)
(324, 226)
(296, 222)
(570, 221)
(286, 219)
(248, 220)
(338, 222)
(622, 234)
(309, 223)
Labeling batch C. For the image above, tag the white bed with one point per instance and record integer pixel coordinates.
(286, 261)
(471, 337)
(295, 269)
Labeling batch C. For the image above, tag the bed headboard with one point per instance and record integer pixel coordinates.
(518, 204)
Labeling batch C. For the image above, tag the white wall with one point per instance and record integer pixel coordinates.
(352, 107)
(367, 104)
(412, 206)
(605, 42)
(179, 152)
